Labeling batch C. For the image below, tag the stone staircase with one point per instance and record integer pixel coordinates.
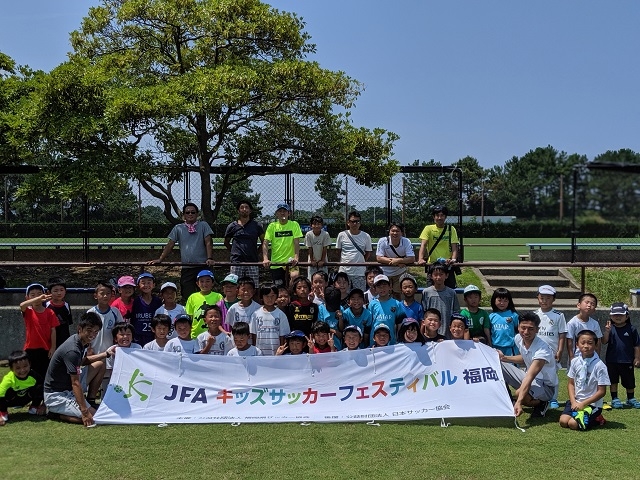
(523, 283)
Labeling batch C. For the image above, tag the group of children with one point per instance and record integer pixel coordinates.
(316, 316)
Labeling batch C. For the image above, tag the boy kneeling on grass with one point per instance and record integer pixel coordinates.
(587, 385)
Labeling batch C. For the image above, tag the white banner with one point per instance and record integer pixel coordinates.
(444, 380)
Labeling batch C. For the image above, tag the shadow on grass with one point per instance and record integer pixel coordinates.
(484, 422)
(23, 416)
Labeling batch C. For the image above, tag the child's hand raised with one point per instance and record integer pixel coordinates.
(330, 341)
(607, 326)
(281, 349)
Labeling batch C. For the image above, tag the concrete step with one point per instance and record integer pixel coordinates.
(534, 282)
(532, 292)
(520, 271)
(528, 304)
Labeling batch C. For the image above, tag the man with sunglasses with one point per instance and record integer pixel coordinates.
(194, 240)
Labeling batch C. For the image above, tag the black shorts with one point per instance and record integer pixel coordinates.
(622, 373)
(279, 277)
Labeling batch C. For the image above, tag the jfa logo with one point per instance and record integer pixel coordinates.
(133, 381)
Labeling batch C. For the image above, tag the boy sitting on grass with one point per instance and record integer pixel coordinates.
(587, 385)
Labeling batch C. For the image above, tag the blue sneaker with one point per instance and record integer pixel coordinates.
(616, 403)
(554, 404)
(632, 402)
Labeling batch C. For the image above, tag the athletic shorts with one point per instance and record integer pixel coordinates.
(63, 403)
(622, 373)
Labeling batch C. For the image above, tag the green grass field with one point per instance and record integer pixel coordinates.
(497, 249)
(467, 449)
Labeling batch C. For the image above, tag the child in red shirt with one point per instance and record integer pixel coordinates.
(40, 325)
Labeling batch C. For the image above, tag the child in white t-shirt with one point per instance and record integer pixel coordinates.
(183, 343)
(240, 332)
(269, 324)
(587, 304)
(317, 241)
(214, 342)
(587, 385)
(169, 294)
(161, 327)
(553, 328)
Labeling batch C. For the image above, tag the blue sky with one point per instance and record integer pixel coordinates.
(491, 79)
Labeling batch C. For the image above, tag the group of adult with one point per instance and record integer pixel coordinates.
(279, 246)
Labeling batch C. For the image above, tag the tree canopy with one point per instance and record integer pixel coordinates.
(197, 84)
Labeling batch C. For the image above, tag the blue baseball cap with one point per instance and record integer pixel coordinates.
(183, 317)
(205, 273)
(145, 275)
(295, 334)
(283, 205)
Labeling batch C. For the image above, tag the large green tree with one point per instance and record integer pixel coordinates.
(331, 190)
(529, 186)
(238, 190)
(473, 177)
(610, 194)
(421, 191)
(204, 83)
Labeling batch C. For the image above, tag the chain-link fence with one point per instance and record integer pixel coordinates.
(134, 213)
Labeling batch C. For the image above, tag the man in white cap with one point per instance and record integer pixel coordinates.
(553, 328)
